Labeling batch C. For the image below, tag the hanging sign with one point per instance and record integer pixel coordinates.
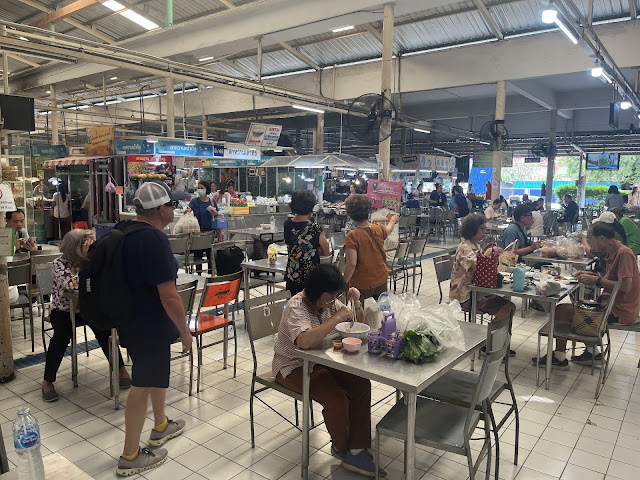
(384, 194)
(100, 140)
(263, 135)
(485, 160)
(406, 162)
(7, 204)
(7, 241)
(531, 159)
(133, 147)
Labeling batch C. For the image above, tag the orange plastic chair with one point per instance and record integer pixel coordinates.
(83, 225)
(217, 291)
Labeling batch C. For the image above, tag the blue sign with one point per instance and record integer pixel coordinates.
(218, 150)
(204, 150)
(51, 151)
(133, 147)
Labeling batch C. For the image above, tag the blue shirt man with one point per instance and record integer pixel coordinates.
(437, 198)
(523, 218)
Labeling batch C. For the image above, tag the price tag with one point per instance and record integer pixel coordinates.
(7, 241)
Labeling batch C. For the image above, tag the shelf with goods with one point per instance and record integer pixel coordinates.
(17, 173)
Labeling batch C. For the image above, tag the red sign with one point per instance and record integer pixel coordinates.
(385, 194)
(149, 158)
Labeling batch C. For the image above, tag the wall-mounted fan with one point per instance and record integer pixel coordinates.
(365, 116)
(494, 135)
(544, 150)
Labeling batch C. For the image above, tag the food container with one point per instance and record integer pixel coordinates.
(359, 330)
(374, 342)
(337, 344)
(393, 346)
(351, 344)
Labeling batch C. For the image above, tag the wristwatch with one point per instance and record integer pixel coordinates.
(599, 282)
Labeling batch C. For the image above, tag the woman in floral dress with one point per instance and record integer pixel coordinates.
(306, 241)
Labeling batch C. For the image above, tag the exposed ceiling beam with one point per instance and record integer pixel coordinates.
(70, 21)
(23, 60)
(144, 12)
(488, 19)
(299, 55)
(540, 95)
(373, 31)
(66, 11)
(228, 4)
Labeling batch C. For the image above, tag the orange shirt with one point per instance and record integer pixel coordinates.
(371, 268)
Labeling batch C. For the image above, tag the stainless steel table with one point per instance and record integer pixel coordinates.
(530, 294)
(407, 377)
(257, 233)
(264, 265)
(577, 263)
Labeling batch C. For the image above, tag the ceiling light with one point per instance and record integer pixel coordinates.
(625, 105)
(131, 15)
(596, 71)
(48, 91)
(343, 29)
(23, 38)
(484, 143)
(152, 139)
(190, 143)
(422, 130)
(308, 109)
(606, 77)
(113, 78)
(567, 32)
(549, 15)
(204, 59)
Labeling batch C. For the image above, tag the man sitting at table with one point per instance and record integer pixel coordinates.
(23, 243)
(309, 317)
(437, 198)
(570, 210)
(523, 219)
(492, 210)
(621, 264)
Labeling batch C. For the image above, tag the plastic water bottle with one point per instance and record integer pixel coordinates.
(272, 221)
(383, 303)
(26, 440)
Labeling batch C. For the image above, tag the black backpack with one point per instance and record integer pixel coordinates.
(229, 260)
(105, 298)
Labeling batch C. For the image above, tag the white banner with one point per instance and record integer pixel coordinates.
(263, 135)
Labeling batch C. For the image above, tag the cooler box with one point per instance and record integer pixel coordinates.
(219, 223)
(103, 228)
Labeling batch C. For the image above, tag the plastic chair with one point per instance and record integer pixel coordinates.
(217, 291)
(450, 427)
(457, 387)
(179, 247)
(201, 241)
(563, 330)
(443, 265)
(187, 292)
(337, 240)
(262, 317)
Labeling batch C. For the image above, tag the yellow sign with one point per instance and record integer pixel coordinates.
(100, 140)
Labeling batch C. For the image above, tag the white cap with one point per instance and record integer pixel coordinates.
(152, 194)
(606, 217)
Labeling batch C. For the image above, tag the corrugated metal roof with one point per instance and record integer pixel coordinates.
(518, 16)
(354, 47)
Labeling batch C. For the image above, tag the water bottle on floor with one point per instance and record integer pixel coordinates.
(26, 440)
(272, 221)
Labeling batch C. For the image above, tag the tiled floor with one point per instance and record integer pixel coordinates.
(564, 432)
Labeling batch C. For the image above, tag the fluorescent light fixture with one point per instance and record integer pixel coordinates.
(484, 143)
(343, 29)
(190, 143)
(606, 77)
(113, 78)
(625, 105)
(549, 15)
(48, 91)
(567, 32)
(205, 59)
(23, 38)
(596, 71)
(445, 152)
(308, 109)
(152, 139)
(422, 130)
(131, 15)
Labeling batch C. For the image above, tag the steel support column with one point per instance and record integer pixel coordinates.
(171, 126)
(168, 14)
(55, 140)
(5, 65)
(501, 97)
(387, 79)
(551, 160)
(319, 148)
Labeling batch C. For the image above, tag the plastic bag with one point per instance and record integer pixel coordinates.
(186, 224)
(437, 321)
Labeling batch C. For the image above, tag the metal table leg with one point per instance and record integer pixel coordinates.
(410, 448)
(115, 368)
(306, 371)
(472, 319)
(74, 343)
(552, 322)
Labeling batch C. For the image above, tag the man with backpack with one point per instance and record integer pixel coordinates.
(155, 319)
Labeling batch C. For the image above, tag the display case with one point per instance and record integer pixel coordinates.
(17, 173)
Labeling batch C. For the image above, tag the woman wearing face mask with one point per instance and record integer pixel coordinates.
(204, 209)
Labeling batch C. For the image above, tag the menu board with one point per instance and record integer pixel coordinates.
(385, 194)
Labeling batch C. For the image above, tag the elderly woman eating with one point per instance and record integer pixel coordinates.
(309, 317)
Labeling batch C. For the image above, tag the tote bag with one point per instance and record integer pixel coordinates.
(487, 269)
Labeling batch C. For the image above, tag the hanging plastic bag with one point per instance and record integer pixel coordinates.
(110, 187)
(188, 223)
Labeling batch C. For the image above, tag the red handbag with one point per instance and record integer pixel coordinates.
(487, 269)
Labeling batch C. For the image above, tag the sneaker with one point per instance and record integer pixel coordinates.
(361, 463)
(555, 363)
(50, 396)
(336, 453)
(174, 428)
(146, 460)
(124, 383)
(585, 358)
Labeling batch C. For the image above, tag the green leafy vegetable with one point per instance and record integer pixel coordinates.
(418, 348)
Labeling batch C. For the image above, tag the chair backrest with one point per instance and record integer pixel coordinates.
(44, 278)
(220, 290)
(236, 223)
(338, 259)
(187, 292)
(416, 246)
(337, 240)
(47, 251)
(262, 322)
(443, 265)
(612, 300)
(41, 259)
(179, 243)
(400, 253)
(403, 221)
(201, 241)
(19, 272)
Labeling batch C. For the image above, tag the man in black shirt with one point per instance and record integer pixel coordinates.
(155, 322)
(570, 210)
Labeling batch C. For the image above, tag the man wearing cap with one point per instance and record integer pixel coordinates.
(156, 321)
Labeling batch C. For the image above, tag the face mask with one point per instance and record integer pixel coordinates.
(201, 192)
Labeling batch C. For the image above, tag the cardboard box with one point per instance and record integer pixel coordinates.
(239, 210)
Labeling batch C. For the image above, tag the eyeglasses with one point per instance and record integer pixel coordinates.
(172, 204)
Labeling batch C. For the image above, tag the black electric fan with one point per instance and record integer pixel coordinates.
(494, 135)
(544, 150)
(365, 116)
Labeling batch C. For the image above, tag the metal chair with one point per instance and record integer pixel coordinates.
(413, 261)
(451, 427)
(179, 247)
(563, 330)
(403, 227)
(457, 387)
(396, 266)
(337, 240)
(443, 265)
(19, 274)
(339, 260)
(187, 292)
(201, 241)
(217, 291)
(262, 317)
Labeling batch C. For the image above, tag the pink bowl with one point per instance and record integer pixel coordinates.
(351, 344)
